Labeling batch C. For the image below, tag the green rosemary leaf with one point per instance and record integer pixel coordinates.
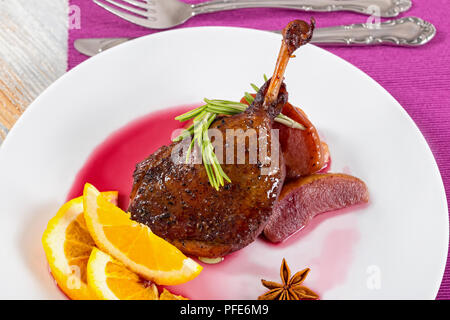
(209, 121)
(265, 78)
(226, 104)
(208, 151)
(225, 107)
(188, 153)
(222, 173)
(190, 114)
(185, 134)
(288, 122)
(249, 98)
(255, 87)
(212, 175)
(211, 178)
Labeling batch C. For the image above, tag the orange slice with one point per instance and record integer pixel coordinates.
(68, 245)
(167, 295)
(133, 244)
(111, 280)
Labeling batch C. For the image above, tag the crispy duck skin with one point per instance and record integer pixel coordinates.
(176, 200)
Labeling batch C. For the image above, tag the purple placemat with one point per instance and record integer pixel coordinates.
(418, 78)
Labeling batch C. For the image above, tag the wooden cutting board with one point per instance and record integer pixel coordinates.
(33, 53)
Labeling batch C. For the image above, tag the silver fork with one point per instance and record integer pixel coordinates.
(163, 14)
(406, 31)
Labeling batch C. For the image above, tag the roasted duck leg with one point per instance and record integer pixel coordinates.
(176, 200)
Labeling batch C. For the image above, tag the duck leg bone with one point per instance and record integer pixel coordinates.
(296, 34)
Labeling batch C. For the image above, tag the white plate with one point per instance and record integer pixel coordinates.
(394, 248)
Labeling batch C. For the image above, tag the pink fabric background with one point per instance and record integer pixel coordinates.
(419, 78)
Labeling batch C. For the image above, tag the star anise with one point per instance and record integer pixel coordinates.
(290, 288)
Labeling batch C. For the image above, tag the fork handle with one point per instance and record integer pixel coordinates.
(408, 31)
(383, 8)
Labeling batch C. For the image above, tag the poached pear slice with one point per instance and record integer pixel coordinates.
(303, 199)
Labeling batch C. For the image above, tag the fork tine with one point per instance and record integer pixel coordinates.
(137, 3)
(128, 8)
(129, 17)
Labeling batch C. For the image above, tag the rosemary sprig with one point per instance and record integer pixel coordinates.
(226, 107)
(203, 116)
(216, 175)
